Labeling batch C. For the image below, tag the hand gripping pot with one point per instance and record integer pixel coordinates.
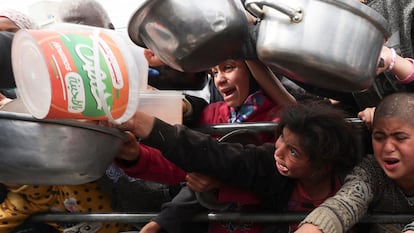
(191, 35)
(332, 44)
(76, 71)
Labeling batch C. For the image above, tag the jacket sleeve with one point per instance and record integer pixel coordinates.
(342, 211)
(250, 167)
(152, 166)
(177, 215)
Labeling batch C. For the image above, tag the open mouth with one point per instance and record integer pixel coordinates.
(390, 164)
(281, 167)
(391, 161)
(228, 91)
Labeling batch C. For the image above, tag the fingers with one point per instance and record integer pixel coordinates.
(130, 149)
(367, 115)
(201, 183)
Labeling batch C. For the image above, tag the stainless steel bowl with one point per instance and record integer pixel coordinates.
(333, 44)
(54, 152)
(190, 35)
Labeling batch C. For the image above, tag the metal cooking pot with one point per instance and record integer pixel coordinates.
(166, 78)
(190, 35)
(332, 44)
(54, 152)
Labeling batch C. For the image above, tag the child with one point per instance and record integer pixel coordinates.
(244, 101)
(302, 168)
(382, 183)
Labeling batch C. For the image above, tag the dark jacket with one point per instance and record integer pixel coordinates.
(251, 167)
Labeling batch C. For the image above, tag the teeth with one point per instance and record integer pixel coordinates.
(282, 167)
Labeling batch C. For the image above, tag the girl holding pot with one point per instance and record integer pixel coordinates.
(401, 68)
(397, 71)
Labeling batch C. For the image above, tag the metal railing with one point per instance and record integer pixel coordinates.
(220, 130)
(205, 217)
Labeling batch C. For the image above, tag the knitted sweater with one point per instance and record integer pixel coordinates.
(367, 189)
(399, 15)
(400, 18)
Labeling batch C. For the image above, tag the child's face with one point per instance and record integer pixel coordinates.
(232, 80)
(393, 145)
(290, 158)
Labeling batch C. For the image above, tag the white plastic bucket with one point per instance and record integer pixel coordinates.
(77, 71)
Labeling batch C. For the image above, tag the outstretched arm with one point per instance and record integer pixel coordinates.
(251, 167)
(270, 83)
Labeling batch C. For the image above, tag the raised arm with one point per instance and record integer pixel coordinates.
(270, 83)
(402, 68)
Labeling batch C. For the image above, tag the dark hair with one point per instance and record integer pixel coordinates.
(325, 134)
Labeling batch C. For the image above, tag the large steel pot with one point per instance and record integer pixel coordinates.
(54, 152)
(190, 35)
(332, 44)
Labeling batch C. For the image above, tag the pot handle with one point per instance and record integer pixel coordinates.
(255, 8)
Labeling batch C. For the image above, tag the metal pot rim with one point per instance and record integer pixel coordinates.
(355, 7)
(64, 122)
(364, 11)
(137, 19)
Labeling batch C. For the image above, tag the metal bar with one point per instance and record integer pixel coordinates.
(222, 129)
(93, 217)
(265, 127)
(210, 217)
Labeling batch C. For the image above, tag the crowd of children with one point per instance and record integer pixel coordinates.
(309, 164)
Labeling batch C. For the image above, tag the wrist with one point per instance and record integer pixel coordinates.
(410, 77)
(392, 59)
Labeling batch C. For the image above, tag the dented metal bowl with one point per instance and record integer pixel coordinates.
(190, 35)
(54, 152)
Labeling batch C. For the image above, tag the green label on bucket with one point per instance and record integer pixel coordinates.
(92, 75)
